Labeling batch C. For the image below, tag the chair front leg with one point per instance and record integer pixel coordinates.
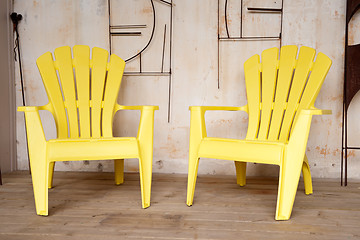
(192, 175)
(290, 167)
(38, 162)
(288, 183)
(197, 133)
(145, 140)
(40, 178)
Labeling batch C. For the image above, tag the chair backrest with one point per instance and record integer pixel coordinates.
(82, 90)
(278, 88)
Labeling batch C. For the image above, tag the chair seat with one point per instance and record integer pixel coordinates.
(242, 150)
(92, 149)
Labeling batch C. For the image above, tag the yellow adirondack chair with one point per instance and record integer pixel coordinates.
(281, 94)
(83, 111)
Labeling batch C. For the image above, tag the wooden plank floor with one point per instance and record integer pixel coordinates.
(89, 206)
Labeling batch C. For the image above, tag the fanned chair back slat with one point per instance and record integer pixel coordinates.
(98, 75)
(104, 83)
(302, 70)
(278, 89)
(316, 79)
(115, 71)
(47, 70)
(286, 69)
(269, 62)
(65, 67)
(82, 75)
(252, 79)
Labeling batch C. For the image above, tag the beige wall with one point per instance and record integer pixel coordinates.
(319, 24)
(7, 91)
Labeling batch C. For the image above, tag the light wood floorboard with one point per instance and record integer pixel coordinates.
(89, 206)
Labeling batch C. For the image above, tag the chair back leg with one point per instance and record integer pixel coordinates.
(119, 171)
(307, 176)
(240, 173)
(51, 174)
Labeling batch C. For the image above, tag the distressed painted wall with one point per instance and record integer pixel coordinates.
(318, 24)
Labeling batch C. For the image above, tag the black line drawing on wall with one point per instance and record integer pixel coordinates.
(246, 8)
(147, 31)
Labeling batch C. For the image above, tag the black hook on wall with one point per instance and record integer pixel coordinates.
(16, 18)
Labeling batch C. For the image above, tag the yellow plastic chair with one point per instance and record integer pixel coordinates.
(83, 107)
(281, 94)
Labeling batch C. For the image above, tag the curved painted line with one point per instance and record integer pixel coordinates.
(353, 12)
(152, 35)
(226, 22)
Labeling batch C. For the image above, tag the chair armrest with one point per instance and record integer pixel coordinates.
(146, 125)
(33, 125)
(197, 120)
(28, 109)
(121, 107)
(219, 108)
(35, 108)
(301, 128)
(316, 111)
